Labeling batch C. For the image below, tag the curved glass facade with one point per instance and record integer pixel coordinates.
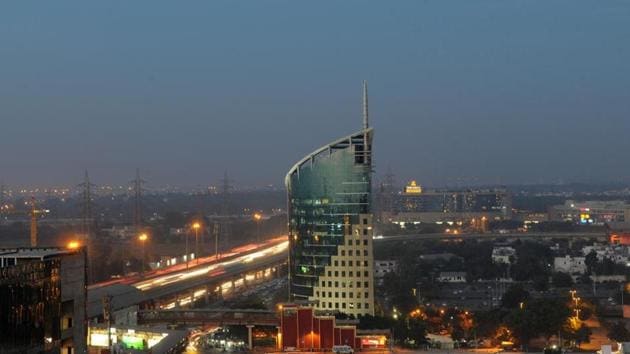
(329, 191)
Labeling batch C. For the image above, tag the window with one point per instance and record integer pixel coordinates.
(323, 305)
(364, 232)
(350, 273)
(336, 273)
(329, 284)
(350, 251)
(336, 295)
(343, 273)
(358, 295)
(366, 273)
(349, 242)
(365, 242)
(358, 305)
(329, 273)
(365, 253)
(357, 242)
(358, 284)
(365, 284)
(343, 263)
(316, 294)
(366, 295)
(343, 305)
(350, 263)
(329, 294)
(336, 284)
(343, 252)
(364, 221)
(367, 305)
(365, 263)
(336, 305)
(351, 295)
(336, 263)
(343, 295)
(323, 284)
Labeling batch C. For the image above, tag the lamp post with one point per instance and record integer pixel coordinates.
(257, 218)
(143, 237)
(196, 226)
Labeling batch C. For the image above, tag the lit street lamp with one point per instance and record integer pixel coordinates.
(196, 226)
(257, 218)
(143, 237)
(73, 245)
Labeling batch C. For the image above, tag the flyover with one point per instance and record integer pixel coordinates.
(178, 286)
(492, 236)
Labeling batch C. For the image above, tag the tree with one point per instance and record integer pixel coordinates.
(538, 317)
(514, 296)
(582, 335)
(561, 280)
(591, 261)
(618, 332)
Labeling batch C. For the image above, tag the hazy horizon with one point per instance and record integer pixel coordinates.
(460, 92)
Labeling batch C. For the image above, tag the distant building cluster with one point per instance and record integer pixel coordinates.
(591, 212)
(415, 204)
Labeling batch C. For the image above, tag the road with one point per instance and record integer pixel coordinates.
(490, 236)
(267, 249)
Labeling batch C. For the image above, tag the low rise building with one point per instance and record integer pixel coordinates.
(452, 277)
(383, 267)
(591, 212)
(570, 265)
(504, 255)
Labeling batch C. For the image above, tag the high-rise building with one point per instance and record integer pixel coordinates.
(330, 225)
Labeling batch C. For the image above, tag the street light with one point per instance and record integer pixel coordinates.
(257, 218)
(196, 226)
(73, 245)
(143, 237)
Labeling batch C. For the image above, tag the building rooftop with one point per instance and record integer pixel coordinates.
(34, 252)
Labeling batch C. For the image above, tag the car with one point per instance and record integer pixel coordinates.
(342, 349)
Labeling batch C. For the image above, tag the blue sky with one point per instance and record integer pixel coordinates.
(460, 91)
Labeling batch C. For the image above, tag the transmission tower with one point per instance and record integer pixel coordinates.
(33, 222)
(225, 208)
(88, 220)
(137, 209)
(2, 200)
(87, 204)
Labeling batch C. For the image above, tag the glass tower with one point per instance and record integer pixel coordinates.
(330, 226)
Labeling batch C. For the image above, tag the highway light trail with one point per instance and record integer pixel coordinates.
(217, 268)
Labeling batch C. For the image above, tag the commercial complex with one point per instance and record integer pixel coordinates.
(591, 212)
(415, 204)
(42, 300)
(330, 225)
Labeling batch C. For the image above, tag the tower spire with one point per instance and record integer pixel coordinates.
(365, 105)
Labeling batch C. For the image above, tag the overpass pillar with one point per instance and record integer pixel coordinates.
(250, 345)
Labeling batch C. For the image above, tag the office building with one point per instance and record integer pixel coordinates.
(42, 300)
(330, 225)
(419, 205)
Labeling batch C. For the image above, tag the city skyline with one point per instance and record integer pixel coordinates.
(538, 99)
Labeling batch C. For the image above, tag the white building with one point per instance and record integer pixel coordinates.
(452, 277)
(503, 255)
(381, 268)
(617, 253)
(568, 264)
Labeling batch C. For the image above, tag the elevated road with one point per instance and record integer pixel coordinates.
(216, 317)
(179, 285)
(492, 236)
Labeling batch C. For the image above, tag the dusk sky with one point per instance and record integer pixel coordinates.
(460, 91)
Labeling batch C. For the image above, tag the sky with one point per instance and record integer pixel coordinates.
(461, 92)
